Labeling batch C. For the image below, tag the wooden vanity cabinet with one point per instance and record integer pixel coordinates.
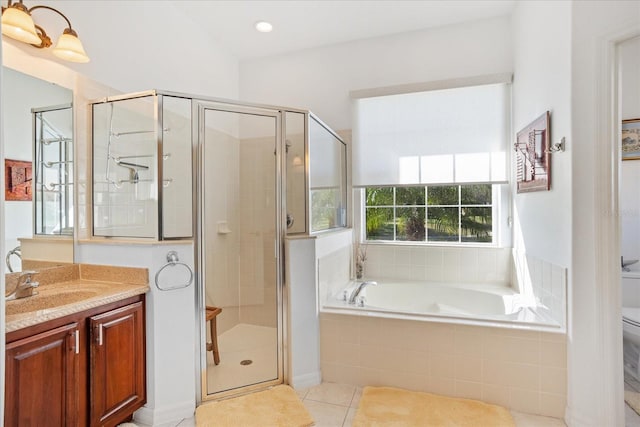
(85, 369)
(41, 378)
(117, 380)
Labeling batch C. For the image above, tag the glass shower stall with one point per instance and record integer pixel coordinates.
(236, 178)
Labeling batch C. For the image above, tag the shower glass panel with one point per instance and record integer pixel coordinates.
(53, 167)
(125, 193)
(177, 188)
(239, 244)
(296, 175)
(327, 178)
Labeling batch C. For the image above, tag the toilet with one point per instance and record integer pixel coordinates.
(631, 323)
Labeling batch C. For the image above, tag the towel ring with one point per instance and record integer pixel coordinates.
(172, 261)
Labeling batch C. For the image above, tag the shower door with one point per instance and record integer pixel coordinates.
(239, 241)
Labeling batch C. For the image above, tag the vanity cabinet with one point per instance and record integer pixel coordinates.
(85, 369)
(42, 386)
(117, 380)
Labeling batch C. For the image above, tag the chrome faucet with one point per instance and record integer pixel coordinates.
(356, 292)
(25, 286)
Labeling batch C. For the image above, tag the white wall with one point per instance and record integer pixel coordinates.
(147, 46)
(321, 79)
(542, 75)
(315, 265)
(595, 383)
(630, 170)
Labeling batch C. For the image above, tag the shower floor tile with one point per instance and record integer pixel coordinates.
(242, 343)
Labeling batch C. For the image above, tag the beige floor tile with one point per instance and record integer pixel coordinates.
(528, 420)
(187, 422)
(631, 419)
(355, 402)
(302, 393)
(336, 394)
(351, 414)
(326, 414)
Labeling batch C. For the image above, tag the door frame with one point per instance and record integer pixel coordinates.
(199, 108)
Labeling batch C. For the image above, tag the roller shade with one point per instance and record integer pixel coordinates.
(448, 136)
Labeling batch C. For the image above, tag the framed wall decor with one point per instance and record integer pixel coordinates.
(630, 149)
(533, 160)
(17, 180)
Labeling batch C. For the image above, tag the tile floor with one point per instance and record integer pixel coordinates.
(631, 418)
(335, 405)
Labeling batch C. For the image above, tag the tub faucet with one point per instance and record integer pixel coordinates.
(25, 286)
(626, 263)
(356, 292)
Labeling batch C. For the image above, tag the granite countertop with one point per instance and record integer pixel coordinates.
(61, 298)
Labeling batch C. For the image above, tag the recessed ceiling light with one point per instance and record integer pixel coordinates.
(264, 27)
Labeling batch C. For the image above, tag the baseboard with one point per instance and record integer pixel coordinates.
(165, 414)
(307, 380)
(578, 418)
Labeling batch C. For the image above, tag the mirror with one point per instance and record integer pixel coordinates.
(38, 149)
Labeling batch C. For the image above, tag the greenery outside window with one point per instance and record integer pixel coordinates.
(434, 213)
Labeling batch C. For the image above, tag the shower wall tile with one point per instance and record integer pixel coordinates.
(522, 370)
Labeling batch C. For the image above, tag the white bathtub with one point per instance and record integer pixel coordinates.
(477, 304)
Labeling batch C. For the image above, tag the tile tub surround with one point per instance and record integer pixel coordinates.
(521, 370)
(544, 281)
(103, 284)
(438, 263)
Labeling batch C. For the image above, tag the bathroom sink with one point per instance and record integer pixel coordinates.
(47, 300)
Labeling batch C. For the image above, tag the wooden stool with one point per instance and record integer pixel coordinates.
(212, 312)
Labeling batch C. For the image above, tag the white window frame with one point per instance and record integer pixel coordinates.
(500, 222)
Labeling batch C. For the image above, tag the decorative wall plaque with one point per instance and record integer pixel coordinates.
(533, 160)
(17, 180)
(631, 139)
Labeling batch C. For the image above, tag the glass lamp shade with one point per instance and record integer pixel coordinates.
(18, 24)
(69, 47)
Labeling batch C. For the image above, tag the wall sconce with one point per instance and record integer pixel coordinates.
(18, 24)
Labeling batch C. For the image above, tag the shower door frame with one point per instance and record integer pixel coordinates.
(199, 108)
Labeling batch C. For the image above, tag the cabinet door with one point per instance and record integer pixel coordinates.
(117, 371)
(42, 383)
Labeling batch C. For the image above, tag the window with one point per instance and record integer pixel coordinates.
(435, 213)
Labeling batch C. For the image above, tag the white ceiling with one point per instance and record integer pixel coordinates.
(305, 24)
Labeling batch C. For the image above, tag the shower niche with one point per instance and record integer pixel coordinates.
(142, 180)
